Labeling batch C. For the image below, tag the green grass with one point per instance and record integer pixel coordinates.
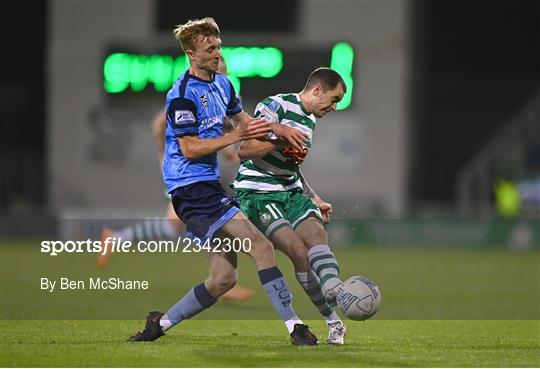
(440, 307)
(265, 344)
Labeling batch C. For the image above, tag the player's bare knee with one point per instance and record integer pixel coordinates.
(299, 257)
(317, 236)
(261, 247)
(225, 281)
(263, 255)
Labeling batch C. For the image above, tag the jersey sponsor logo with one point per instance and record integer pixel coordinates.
(273, 106)
(268, 115)
(212, 121)
(204, 102)
(183, 117)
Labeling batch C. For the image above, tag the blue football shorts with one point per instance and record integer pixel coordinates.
(204, 207)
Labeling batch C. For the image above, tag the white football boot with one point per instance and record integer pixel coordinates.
(336, 333)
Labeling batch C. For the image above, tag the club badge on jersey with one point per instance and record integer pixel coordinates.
(204, 102)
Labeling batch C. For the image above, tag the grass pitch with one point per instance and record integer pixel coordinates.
(258, 343)
(440, 308)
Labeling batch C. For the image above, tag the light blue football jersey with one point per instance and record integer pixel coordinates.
(195, 107)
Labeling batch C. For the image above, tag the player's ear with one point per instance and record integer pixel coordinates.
(317, 89)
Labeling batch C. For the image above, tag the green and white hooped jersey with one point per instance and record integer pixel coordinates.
(275, 172)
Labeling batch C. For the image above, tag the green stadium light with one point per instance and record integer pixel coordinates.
(123, 70)
(342, 62)
(270, 62)
(181, 63)
(139, 73)
(236, 83)
(160, 71)
(116, 72)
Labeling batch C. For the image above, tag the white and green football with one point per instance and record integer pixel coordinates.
(358, 298)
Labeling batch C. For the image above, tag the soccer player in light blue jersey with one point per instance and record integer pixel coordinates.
(196, 105)
(171, 227)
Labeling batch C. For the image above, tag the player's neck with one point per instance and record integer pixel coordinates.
(304, 99)
(201, 73)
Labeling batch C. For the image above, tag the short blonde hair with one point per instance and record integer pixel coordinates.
(188, 33)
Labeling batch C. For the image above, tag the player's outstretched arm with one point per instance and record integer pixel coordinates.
(254, 149)
(294, 137)
(284, 133)
(194, 148)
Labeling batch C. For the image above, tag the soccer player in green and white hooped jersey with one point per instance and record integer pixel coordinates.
(277, 199)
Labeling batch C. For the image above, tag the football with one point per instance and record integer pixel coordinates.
(358, 298)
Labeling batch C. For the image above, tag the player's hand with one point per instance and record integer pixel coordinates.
(297, 156)
(326, 210)
(294, 137)
(253, 129)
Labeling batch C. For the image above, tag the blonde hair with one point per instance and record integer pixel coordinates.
(188, 33)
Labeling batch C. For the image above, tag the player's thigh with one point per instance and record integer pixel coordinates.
(289, 242)
(312, 232)
(240, 227)
(306, 219)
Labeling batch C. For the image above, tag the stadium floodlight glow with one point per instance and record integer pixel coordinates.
(160, 70)
(123, 70)
(116, 71)
(139, 73)
(342, 62)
